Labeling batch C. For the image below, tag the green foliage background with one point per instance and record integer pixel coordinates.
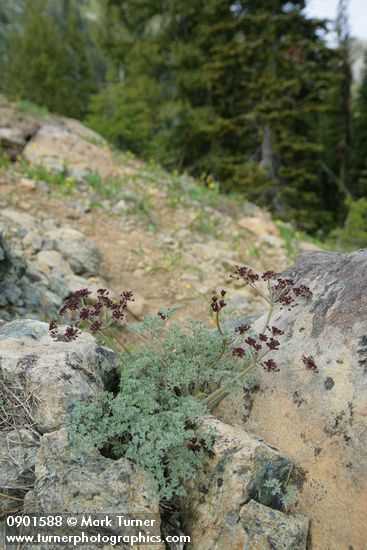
(248, 93)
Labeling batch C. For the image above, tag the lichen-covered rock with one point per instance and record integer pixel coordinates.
(85, 482)
(267, 529)
(319, 419)
(79, 252)
(56, 373)
(236, 472)
(18, 450)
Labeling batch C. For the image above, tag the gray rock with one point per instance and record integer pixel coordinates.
(265, 528)
(36, 276)
(32, 241)
(43, 186)
(58, 373)
(76, 249)
(239, 303)
(272, 241)
(27, 328)
(87, 483)
(23, 288)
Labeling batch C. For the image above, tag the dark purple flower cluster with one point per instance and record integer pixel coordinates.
(273, 344)
(282, 290)
(310, 363)
(270, 366)
(238, 352)
(71, 333)
(259, 346)
(72, 303)
(246, 274)
(267, 275)
(103, 306)
(195, 445)
(302, 290)
(253, 343)
(242, 329)
(218, 303)
(276, 331)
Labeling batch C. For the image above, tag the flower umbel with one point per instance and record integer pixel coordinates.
(96, 317)
(280, 290)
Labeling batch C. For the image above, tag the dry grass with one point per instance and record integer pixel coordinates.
(15, 407)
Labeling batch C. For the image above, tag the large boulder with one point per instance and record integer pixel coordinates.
(62, 144)
(86, 483)
(55, 374)
(235, 472)
(319, 419)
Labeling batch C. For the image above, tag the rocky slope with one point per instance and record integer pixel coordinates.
(76, 214)
(167, 236)
(38, 466)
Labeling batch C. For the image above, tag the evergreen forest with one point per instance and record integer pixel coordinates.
(253, 97)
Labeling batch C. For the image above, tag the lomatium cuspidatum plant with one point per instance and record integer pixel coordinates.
(172, 377)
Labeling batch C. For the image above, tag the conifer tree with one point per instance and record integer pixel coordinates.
(232, 89)
(10, 18)
(47, 63)
(342, 29)
(359, 151)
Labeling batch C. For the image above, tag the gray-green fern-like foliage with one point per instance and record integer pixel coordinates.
(173, 378)
(152, 419)
(287, 495)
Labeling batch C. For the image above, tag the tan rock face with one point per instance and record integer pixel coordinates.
(319, 420)
(237, 470)
(57, 146)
